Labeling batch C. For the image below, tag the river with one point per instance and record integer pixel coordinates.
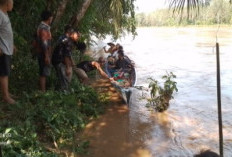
(191, 122)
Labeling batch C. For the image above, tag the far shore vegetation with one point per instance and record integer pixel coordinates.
(212, 13)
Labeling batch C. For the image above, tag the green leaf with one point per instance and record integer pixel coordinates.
(8, 130)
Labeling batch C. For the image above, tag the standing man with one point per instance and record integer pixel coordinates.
(62, 57)
(44, 38)
(6, 48)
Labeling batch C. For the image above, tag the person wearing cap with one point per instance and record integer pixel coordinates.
(62, 57)
(44, 38)
(84, 67)
(113, 50)
(6, 49)
(112, 58)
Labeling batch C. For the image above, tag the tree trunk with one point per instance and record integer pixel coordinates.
(60, 12)
(49, 4)
(77, 17)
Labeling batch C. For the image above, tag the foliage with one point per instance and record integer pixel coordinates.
(51, 117)
(102, 17)
(110, 17)
(54, 116)
(217, 11)
(160, 96)
(179, 5)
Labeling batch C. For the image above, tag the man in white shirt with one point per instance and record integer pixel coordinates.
(6, 49)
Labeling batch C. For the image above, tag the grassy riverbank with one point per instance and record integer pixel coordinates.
(43, 124)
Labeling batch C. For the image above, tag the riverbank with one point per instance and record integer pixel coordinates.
(111, 134)
(45, 124)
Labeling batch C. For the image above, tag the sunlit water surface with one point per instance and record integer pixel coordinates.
(191, 122)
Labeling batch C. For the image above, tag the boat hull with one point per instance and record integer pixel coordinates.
(125, 92)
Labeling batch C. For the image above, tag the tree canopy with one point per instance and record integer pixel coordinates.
(212, 12)
(90, 16)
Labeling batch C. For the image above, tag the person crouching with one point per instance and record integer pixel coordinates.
(84, 67)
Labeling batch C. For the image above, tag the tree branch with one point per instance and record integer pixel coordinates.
(60, 12)
(77, 17)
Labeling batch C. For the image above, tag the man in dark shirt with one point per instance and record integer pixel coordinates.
(123, 63)
(62, 57)
(84, 67)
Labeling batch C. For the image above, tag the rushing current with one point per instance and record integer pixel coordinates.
(191, 122)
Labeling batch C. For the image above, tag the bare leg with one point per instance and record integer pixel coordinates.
(42, 83)
(81, 75)
(5, 90)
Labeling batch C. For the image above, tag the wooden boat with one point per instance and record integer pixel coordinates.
(124, 80)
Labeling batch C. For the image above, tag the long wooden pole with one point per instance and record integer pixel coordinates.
(219, 101)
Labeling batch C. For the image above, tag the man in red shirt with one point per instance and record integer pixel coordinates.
(44, 38)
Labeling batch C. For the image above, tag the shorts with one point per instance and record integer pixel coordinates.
(81, 74)
(5, 65)
(44, 70)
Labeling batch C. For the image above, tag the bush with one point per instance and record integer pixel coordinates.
(161, 95)
(51, 117)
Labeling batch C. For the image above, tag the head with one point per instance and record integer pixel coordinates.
(74, 35)
(207, 153)
(111, 44)
(7, 4)
(101, 61)
(118, 45)
(120, 54)
(47, 17)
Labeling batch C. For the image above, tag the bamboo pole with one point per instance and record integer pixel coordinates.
(219, 101)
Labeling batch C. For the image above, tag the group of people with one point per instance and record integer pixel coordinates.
(60, 57)
(117, 60)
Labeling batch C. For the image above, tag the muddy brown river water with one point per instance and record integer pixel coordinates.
(191, 122)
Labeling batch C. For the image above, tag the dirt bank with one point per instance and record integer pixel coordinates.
(110, 135)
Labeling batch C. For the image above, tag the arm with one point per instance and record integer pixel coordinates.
(104, 48)
(1, 53)
(15, 50)
(109, 50)
(45, 45)
(72, 62)
(97, 65)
